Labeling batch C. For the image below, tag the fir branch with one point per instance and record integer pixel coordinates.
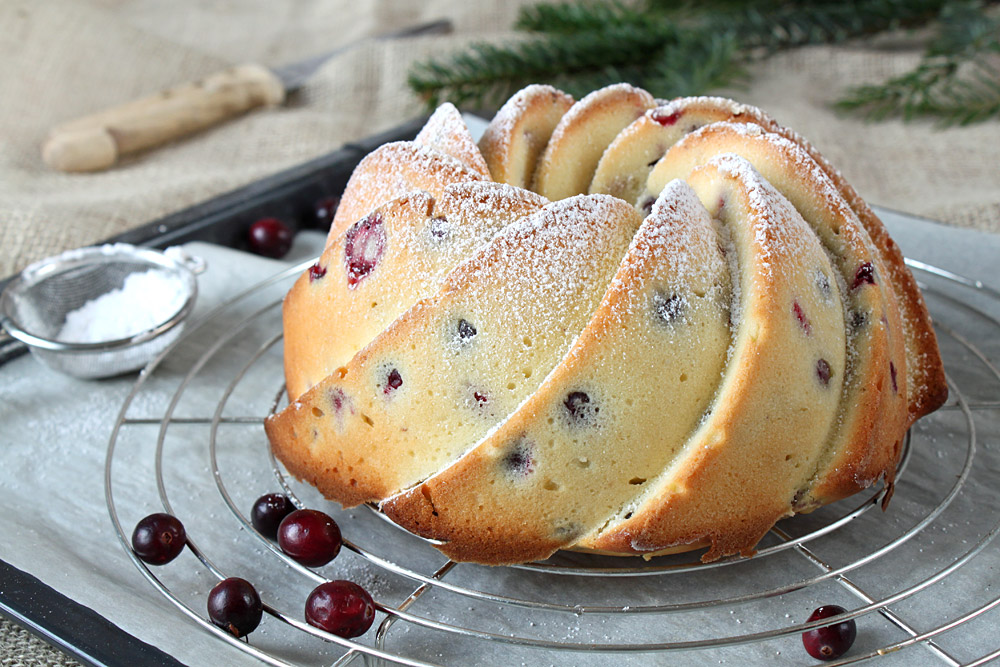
(487, 72)
(683, 47)
(789, 25)
(955, 82)
(572, 17)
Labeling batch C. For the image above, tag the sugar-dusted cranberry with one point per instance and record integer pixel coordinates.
(858, 320)
(341, 608)
(309, 537)
(668, 308)
(158, 538)
(831, 641)
(325, 210)
(466, 330)
(579, 407)
(268, 512)
(800, 315)
(439, 227)
(892, 376)
(519, 460)
(823, 372)
(393, 381)
(316, 272)
(823, 284)
(665, 119)
(363, 247)
(270, 237)
(865, 275)
(235, 606)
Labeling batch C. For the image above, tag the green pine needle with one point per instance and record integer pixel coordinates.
(956, 82)
(680, 47)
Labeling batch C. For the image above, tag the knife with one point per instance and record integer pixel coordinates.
(97, 141)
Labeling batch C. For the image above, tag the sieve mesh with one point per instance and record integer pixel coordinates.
(35, 306)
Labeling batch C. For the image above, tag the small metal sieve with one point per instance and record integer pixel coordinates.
(35, 305)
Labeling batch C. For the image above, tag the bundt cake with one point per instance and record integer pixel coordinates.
(618, 325)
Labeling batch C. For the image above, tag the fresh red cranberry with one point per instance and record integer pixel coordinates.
(393, 381)
(270, 237)
(341, 608)
(234, 606)
(309, 537)
(268, 512)
(823, 372)
(800, 315)
(363, 247)
(325, 210)
(316, 272)
(158, 538)
(832, 641)
(668, 308)
(666, 119)
(865, 275)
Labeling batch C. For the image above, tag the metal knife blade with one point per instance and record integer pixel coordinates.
(294, 75)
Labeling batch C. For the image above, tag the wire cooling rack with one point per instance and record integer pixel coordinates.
(918, 578)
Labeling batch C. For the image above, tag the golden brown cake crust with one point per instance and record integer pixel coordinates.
(625, 339)
(329, 319)
(391, 171)
(519, 132)
(831, 359)
(447, 132)
(368, 437)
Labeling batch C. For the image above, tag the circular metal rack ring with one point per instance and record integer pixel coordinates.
(578, 607)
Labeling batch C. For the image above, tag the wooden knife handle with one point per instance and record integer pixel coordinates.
(96, 142)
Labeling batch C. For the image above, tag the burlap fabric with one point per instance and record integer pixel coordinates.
(62, 59)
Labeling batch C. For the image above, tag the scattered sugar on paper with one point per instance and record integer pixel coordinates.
(144, 301)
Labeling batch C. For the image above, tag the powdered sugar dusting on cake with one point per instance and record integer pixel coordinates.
(488, 199)
(682, 104)
(781, 233)
(444, 124)
(447, 132)
(533, 303)
(502, 127)
(583, 108)
(391, 171)
(559, 249)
